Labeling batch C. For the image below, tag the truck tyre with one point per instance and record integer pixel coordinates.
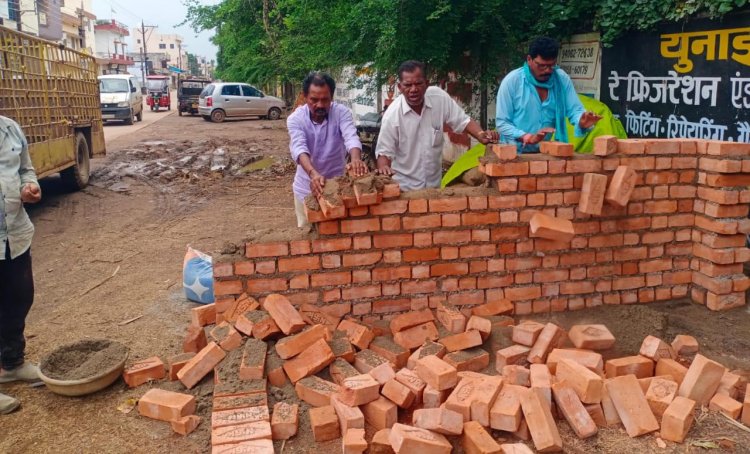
(274, 113)
(217, 116)
(77, 177)
(131, 119)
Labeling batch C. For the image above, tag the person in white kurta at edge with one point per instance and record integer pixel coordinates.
(410, 144)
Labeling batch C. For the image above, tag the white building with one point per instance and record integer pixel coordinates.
(170, 45)
(77, 25)
(112, 47)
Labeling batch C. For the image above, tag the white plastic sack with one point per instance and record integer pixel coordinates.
(198, 276)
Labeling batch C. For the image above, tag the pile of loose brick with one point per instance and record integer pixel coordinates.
(417, 380)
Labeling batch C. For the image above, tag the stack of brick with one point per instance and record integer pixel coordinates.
(426, 376)
(640, 221)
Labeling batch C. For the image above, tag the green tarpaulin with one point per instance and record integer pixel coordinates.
(608, 125)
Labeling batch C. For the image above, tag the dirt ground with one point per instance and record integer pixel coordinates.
(114, 252)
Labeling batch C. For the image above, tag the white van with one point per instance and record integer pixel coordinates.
(120, 98)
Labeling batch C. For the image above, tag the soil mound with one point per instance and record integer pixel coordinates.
(83, 359)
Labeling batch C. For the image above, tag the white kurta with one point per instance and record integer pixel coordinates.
(414, 142)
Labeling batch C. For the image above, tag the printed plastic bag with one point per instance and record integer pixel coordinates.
(198, 276)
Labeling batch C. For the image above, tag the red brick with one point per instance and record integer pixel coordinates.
(201, 364)
(554, 183)
(631, 405)
(360, 225)
(390, 207)
(421, 222)
(717, 148)
(364, 259)
(144, 371)
(331, 245)
(523, 293)
(504, 152)
(393, 240)
(631, 146)
(492, 217)
(559, 149)
(573, 410)
(418, 206)
(266, 250)
(543, 226)
(324, 423)
(540, 422)
(701, 380)
(165, 405)
(677, 419)
(391, 274)
(450, 204)
(405, 439)
(605, 145)
(227, 287)
(508, 169)
(718, 195)
(312, 360)
(299, 264)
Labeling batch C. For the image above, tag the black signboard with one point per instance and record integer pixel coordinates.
(687, 80)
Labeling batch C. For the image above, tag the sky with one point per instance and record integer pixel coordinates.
(165, 14)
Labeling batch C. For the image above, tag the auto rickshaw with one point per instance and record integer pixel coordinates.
(158, 92)
(188, 91)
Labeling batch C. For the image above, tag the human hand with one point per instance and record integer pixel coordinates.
(317, 183)
(486, 137)
(357, 167)
(31, 193)
(384, 169)
(588, 119)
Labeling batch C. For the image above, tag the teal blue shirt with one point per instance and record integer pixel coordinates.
(16, 170)
(520, 110)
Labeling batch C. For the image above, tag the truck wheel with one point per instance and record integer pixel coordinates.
(130, 120)
(274, 113)
(217, 116)
(77, 177)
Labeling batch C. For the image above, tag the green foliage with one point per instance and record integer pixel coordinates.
(193, 65)
(615, 17)
(265, 41)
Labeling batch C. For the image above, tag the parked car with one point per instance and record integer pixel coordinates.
(228, 99)
(120, 98)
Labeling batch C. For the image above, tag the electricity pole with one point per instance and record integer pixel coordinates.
(144, 51)
(82, 27)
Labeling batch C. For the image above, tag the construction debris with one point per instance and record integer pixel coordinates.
(414, 397)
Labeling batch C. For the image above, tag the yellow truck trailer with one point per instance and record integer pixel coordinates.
(53, 93)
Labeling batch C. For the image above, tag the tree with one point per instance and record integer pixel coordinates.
(265, 41)
(193, 66)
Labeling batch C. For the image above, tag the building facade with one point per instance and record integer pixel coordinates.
(77, 25)
(112, 47)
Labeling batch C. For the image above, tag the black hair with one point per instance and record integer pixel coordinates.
(409, 66)
(545, 47)
(318, 79)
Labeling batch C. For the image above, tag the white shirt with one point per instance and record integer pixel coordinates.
(414, 142)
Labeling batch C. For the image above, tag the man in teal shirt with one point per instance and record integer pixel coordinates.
(534, 100)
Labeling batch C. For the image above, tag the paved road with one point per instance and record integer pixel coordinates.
(114, 130)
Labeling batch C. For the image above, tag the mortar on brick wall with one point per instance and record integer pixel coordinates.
(681, 234)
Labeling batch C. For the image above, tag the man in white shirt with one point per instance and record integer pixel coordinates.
(410, 144)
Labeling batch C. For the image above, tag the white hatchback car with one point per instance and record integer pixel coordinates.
(218, 101)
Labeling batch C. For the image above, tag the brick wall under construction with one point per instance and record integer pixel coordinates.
(681, 234)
